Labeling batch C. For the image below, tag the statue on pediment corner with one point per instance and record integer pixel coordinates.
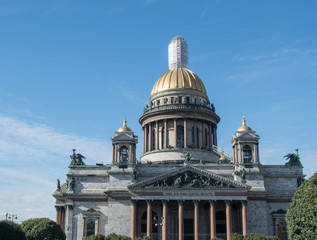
(77, 158)
(293, 159)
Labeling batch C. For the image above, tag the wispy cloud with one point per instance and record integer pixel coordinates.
(32, 157)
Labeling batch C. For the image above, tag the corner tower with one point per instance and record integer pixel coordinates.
(179, 116)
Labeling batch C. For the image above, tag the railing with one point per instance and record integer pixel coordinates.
(208, 107)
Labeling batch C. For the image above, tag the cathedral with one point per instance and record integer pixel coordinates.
(182, 186)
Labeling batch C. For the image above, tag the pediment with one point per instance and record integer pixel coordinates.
(123, 137)
(248, 135)
(188, 177)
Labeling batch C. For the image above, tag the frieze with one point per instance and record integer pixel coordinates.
(190, 179)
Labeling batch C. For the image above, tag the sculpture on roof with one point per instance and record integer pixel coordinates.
(58, 184)
(70, 183)
(187, 156)
(293, 159)
(77, 158)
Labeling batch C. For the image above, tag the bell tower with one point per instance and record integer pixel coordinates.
(124, 145)
(245, 145)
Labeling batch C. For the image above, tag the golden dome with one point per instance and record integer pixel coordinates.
(124, 127)
(244, 127)
(222, 156)
(178, 78)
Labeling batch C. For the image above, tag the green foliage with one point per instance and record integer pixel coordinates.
(301, 217)
(96, 237)
(256, 236)
(216, 238)
(236, 236)
(42, 228)
(114, 236)
(11, 231)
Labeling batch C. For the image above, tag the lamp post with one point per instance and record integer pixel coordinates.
(11, 217)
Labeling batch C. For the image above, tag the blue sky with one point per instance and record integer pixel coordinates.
(71, 70)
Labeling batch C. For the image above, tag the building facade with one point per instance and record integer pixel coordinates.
(182, 187)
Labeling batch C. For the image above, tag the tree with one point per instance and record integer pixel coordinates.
(114, 236)
(11, 231)
(42, 228)
(301, 217)
(96, 237)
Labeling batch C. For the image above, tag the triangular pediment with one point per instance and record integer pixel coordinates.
(188, 177)
(123, 137)
(248, 135)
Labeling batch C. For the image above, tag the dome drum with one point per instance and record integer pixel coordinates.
(178, 155)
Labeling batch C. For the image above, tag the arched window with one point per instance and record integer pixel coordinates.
(247, 154)
(124, 154)
(153, 140)
(163, 137)
(180, 136)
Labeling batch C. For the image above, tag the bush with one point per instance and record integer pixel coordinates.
(216, 238)
(114, 236)
(42, 228)
(256, 236)
(11, 231)
(236, 236)
(301, 217)
(96, 237)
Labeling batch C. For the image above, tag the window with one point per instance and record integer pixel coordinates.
(247, 154)
(158, 102)
(165, 100)
(90, 230)
(91, 222)
(180, 136)
(180, 99)
(153, 140)
(124, 154)
(187, 100)
(206, 138)
(193, 137)
(197, 140)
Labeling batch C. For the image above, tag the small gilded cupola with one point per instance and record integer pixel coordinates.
(124, 145)
(245, 144)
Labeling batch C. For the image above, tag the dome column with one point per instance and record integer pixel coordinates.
(157, 142)
(143, 143)
(150, 137)
(146, 138)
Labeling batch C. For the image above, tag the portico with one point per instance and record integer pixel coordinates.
(188, 203)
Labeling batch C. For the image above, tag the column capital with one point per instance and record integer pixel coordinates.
(58, 208)
(149, 202)
(244, 202)
(180, 202)
(228, 202)
(196, 202)
(164, 202)
(134, 202)
(212, 202)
